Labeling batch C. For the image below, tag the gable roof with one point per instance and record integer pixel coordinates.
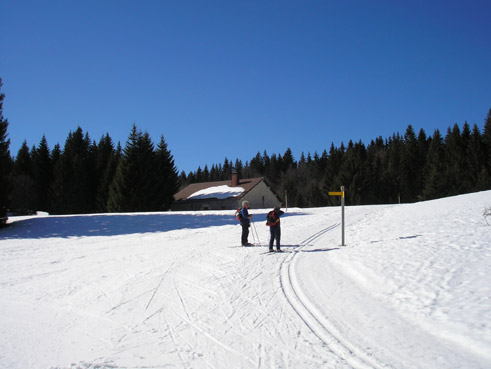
(246, 184)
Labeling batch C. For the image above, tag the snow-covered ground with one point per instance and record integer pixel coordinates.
(411, 289)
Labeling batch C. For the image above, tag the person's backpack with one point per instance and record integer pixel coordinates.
(271, 219)
(238, 215)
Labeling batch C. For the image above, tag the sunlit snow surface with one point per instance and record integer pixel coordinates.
(217, 192)
(412, 289)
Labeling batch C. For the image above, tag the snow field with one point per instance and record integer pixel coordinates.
(172, 290)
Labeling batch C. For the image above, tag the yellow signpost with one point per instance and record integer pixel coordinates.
(342, 211)
(335, 194)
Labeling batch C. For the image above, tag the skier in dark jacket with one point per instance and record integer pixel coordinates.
(245, 223)
(273, 221)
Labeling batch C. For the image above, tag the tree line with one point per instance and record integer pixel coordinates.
(85, 176)
(89, 177)
(401, 168)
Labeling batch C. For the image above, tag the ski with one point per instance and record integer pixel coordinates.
(251, 245)
(275, 252)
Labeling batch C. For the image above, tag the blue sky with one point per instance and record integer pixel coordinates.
(232, 78)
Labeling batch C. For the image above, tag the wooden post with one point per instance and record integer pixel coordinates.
(342, 212)
(342, 215)
(286, 201)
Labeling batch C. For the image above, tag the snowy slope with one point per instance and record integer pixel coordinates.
(411, 289)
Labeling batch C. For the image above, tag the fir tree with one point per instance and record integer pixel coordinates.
(288, 161)
(376, 155)
(257, 165)
(133, 188)
(24, 191)
(73, 186)
(454, 160)
(477, 161)
(411, 167)
(434, 173)
(107, 159)
(393, 174)
(227, 170)
(183, 179)
(5, 163)
(206, 174)
(486, 137)
(166, 177)
(214, 174)
(43, 174)
(199, 175)
(238, 167)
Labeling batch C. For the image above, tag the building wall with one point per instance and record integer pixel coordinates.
(211, 204)
(261, 197)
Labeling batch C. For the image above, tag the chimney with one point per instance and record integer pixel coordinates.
(235, 179)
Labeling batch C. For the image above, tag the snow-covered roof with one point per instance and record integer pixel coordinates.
(217, 192)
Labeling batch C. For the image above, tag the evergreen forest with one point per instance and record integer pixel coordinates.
(86, 176)
(401, 168)
(89, 177)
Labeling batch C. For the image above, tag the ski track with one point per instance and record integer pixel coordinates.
(184, 299)
(317, 322)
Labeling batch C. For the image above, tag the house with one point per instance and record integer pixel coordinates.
(226, 195)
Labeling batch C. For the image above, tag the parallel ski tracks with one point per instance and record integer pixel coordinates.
(316, 321)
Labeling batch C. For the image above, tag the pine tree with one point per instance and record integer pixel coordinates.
(257, 165)
(330, 177)
(477, 161)
(166, 177)
(43, 174)
(353, 174)
(199, 175)
(73, 185)
(434, 172)
(183, 179)
(468, 170)
(423, 146)
(214, 175)
(288, 161)
(5, 163)
(24, 192)
(206, 174)
(133, 187)
(393, 174)
(410, 173)
(486, 137)
(107, 159)
(454, 161)
(238, 167)
(226, 170)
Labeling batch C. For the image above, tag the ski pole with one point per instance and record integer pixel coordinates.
(257, 235)
(252, 232)
(254, 235)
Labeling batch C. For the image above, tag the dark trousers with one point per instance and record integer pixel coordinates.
(245, 233)
(275, 235)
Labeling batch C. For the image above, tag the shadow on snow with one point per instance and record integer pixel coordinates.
(113, 224)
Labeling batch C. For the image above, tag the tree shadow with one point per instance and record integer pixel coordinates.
(96, 225)
(109, 225)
